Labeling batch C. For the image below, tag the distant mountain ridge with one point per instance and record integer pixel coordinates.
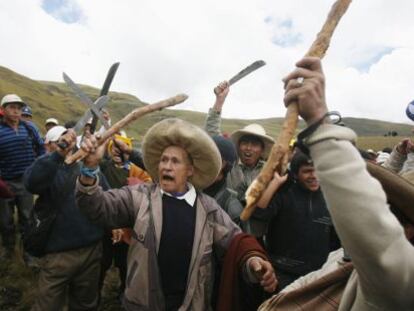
(55, 99)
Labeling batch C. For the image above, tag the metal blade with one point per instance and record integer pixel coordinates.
(88, 114)
(249, 69)
(105, 89)
(85, 99)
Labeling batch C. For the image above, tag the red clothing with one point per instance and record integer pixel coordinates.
(242, 247)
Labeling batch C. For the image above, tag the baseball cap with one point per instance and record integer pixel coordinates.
(52, 120)
(54, 134)
(11, 98)
(27, 111)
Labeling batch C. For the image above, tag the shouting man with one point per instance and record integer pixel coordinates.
(177, 230)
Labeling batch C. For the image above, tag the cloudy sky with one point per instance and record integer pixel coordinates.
(168, 47)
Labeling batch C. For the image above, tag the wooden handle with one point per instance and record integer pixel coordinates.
(278, 155)
(132, 116)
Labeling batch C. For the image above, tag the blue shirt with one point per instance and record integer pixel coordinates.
(18, 149)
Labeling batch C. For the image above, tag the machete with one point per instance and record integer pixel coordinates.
(85, 99)
(249, 69)
(104, 91)
(100, 102)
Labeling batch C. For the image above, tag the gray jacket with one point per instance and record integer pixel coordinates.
(133, 207)
(240, 176)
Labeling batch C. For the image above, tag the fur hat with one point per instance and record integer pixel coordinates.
(254, 130)
(399, 189)
(196, 142)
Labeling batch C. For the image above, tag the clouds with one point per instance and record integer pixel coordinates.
(168, 47)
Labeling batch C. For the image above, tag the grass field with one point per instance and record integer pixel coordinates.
(377, 143)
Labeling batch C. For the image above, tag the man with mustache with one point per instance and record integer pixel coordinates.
(178, 232)
(300, 233)
(253, 146)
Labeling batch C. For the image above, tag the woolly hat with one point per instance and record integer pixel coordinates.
(227, 149)
(196, 142)
(254, 130)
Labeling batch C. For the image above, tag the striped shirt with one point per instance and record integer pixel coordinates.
(18, 149)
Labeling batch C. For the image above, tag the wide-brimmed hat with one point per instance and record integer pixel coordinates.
(196, 142)
(399, 189)
(254, 130)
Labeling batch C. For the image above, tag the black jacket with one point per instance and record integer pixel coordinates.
(300, 233)
(55, 182)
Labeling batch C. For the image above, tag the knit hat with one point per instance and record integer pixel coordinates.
(254, 130)
(227, 149)
(196, 142)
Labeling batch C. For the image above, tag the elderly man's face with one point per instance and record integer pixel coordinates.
(174, 169)
(250, 150)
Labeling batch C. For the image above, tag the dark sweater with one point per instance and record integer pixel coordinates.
(300, 233)
(176, 244)
(55, 182)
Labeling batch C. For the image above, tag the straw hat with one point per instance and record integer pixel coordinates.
(196, 142)
(255, 130)
(399, 189)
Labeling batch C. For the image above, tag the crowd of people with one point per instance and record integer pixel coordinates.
(335, 232)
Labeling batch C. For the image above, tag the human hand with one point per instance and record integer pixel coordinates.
(264, 272)
(405, 146)
(310, 93)
(68, 139)
(95, 152)
(278, 180)
(221, 92)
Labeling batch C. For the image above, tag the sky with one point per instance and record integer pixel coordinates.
(189, 46)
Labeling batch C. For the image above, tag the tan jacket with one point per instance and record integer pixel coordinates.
(383, 258)
(131, 207)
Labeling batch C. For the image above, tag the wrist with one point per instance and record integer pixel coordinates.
(89, 172)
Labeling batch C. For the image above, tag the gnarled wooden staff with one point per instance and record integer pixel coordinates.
(130, 117)
(277, 160)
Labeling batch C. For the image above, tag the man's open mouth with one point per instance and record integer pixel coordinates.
(167, 177)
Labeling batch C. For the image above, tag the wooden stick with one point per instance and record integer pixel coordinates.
(129, 118)
(278, 155)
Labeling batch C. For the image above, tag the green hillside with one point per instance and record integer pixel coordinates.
(54, 99)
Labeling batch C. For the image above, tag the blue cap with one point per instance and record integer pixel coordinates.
(26, 110)
(410, 111)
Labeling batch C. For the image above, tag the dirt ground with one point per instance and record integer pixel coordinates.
(18, 286)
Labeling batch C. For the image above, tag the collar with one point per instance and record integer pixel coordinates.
(190, 196)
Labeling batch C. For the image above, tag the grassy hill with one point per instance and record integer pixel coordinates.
(54, 99)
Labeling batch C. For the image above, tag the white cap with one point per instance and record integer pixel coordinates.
(54, 133)
(52, 120)
(11, 98)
